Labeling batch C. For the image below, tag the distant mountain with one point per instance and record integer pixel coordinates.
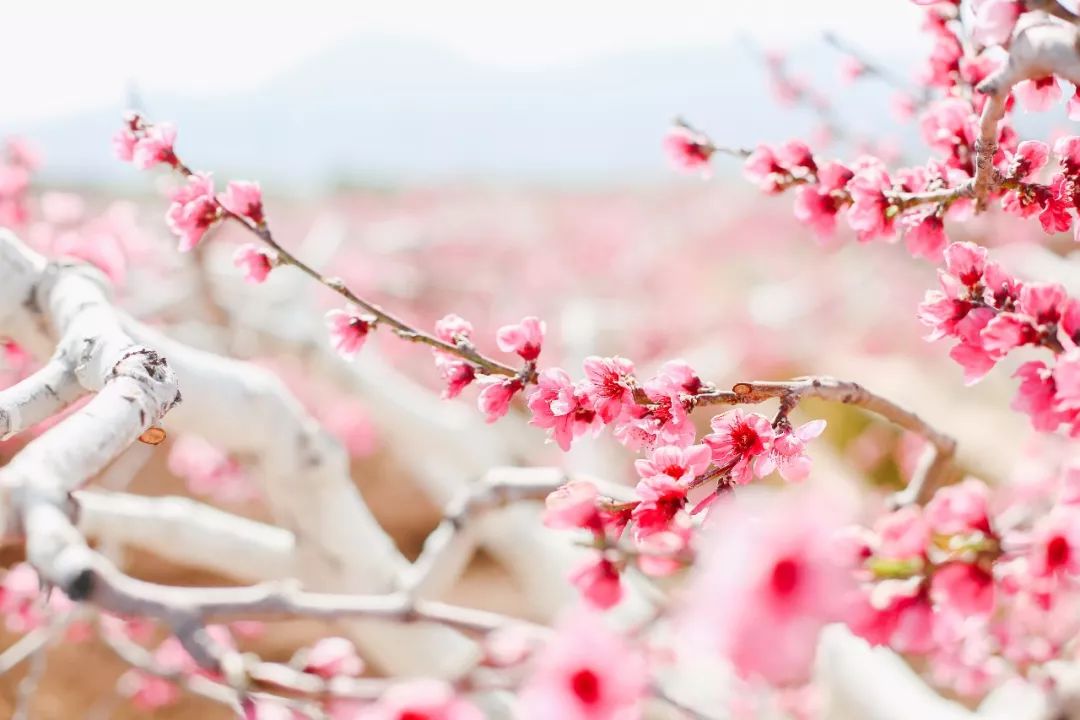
(388, 111)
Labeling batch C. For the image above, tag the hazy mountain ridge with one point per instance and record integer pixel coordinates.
(382, 109)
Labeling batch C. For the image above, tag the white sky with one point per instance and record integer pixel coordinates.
(57, 56)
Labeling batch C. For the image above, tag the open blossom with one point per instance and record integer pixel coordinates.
(818, 204)
(598, 581)
(255, 261)
(660, 500)
(924, 234)
(678, 463)
(666, 476)
(739, 439)
(964, 587)
(995, 20)
(244, 198)
(154, 147)
(562, 407)
(959, 509)
(1030, 157)
(494, 399)
(688, 150)
(773, 568)
(788, 452)
(1038, 95)
(193, 210)
(524, 338)
(1036, 396)
(664, 420)
(349, 329)
(331, 657)
(902, 534)
(1055, 545)
(608, 384)
(586, 672)
(572, 506)
(421, 700)
(763, 168)
(870, 215)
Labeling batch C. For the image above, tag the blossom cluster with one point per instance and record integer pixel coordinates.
(991, 313)
(980, 584)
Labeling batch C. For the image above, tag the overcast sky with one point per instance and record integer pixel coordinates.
(63, 55)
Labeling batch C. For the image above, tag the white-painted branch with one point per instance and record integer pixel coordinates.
(339, 546)
(187, 532)
(38, 396)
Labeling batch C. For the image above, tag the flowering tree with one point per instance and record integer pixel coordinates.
(710, 566)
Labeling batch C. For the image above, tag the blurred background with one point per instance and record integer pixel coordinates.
(495, 160)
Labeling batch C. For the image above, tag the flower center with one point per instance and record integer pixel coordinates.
(586, 686)
(1057, 552)
(785, 576)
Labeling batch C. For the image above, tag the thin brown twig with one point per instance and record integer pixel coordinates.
(940, 470)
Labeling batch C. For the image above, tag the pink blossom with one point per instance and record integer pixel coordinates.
(1056, 205)
(1030, 157)
(959, 509)
(1037, 396)
(738, 439)
(818, 204)
(924, 234)
(255, 262)
(963, 587)
(1067, 150)
(209, 471)
(494, 399)
(19, 593)
(155, 146)
(665, 420)
(870, 216)
(902, 534)
(1072, 108)
(608, 385)
(1007, 331)
(124, 144)
(763, 169)
(455, 372)
(1055, 545)
(788, 452)
(1038, 95)
(571, 506)
(422, 700)
(193, 210)
(244, 198)
(994, 20)
(899, 614)
(452, 328)
(349, 329)
(688, 150)
(586, 672)
(661, 498)
(947, 124)
(525, 338)
(772, 568)
(562, 407)
(331, 657)
(1066, 379)
(678, 463)
(597, 579)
